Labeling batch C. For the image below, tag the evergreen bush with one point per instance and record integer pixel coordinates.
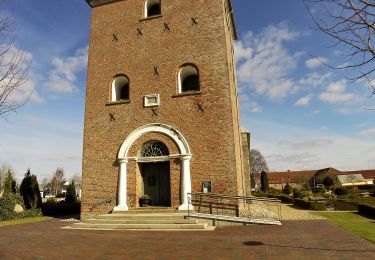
(71, 195)
(264, 181)
(328, 182)
(30, 191)
(10, 183)
(8, 203)
(287, 189)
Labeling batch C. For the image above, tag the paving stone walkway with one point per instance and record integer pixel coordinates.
(306, 239)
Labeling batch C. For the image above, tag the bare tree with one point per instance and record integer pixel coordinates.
(57, 181)
(14, 68)
(351, 23)
(257, 165)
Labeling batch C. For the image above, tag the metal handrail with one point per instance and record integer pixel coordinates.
(235, 196)
(235, 208)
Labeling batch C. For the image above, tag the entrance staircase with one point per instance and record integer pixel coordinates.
(151, 218)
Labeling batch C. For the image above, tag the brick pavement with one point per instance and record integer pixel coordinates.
(316, 239)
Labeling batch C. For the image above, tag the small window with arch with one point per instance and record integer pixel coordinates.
(152, 8)
(120, 88)
(188, 79)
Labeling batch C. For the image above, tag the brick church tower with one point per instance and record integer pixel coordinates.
(161, 114)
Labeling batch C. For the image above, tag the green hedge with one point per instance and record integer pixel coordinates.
(366, 210)
(318, 206)
(366, 187)
(345, 205)
(285, 199)
(302, 203)
(7, 204)
(51, 208)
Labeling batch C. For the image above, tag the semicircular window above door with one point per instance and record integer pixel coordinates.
(154, 149)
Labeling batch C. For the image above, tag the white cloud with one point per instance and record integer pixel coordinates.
(308, 147)
(336, 93)
(315, 62)
(314, 79)
(367, 133)
(312, 143)
(264, 62)
(304, 101)
(63, 77)
(27, 90)
(249, 105)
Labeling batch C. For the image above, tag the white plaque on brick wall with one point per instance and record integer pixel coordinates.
(152, 100)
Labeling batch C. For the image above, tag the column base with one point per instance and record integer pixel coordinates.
(186, 207)
(121, 208)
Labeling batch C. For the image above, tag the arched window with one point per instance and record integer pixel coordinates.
(152, 8)
(154, 149)
(188, 79)
(120, 88)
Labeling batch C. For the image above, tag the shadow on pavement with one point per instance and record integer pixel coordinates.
(259, 243)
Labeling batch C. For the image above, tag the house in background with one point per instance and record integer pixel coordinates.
(311, 178)
(350, 180)
(368, 175)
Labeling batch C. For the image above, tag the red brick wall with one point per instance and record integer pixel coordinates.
(213, 135)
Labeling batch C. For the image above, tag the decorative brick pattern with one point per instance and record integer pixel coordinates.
(212, 134)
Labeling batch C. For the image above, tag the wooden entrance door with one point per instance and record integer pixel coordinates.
(156, 183)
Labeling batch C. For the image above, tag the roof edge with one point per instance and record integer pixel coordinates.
(235, 37)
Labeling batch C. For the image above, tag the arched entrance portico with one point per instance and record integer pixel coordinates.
(184, 156)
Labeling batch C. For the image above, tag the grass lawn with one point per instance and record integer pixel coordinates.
(23, 221)
(352, 222)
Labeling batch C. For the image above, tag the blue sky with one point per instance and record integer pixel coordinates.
(301, 114)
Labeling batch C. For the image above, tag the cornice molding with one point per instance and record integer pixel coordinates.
(95, 3)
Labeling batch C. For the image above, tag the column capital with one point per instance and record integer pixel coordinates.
(122, 160)
(185, 157)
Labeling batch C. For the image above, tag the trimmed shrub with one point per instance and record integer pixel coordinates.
(300, 194)
(7, 204)
(318, 206)
(71, 195)
(260, 193)
(287, 189)
(367, 210)
(341, 191)
(285, 199)
(318, 190)
(302, 203)
(345, 205)
(60, 208)
(367, 187)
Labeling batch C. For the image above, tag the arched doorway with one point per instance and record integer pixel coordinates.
(184, 156)
(155, 174)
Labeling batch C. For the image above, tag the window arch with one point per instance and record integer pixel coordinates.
(188, 78)
(152, 8)
(154, 149)
(120, 88)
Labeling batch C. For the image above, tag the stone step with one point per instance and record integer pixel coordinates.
(138, 221)
(82, 225)
(155, 216)
(148, 210)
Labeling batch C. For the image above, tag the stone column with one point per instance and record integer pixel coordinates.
(185, 183)
(122, 188)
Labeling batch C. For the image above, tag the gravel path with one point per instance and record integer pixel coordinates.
(288, 212)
